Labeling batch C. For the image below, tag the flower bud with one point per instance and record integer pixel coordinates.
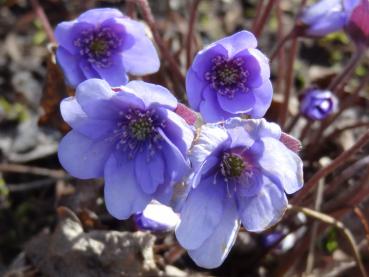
(325, 17)
(318, 104)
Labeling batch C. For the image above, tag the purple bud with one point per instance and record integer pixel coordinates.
(326, 16)
(156, 217)
(318, 104)
(358, 24)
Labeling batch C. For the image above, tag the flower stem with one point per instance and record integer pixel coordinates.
(258, 10)
(280, 44)
(39, 11)
(337, 162)
(264, 16)
(191, 27)
(346, 72)
(339, 225)
(149, 18)
(292, 123)
(289, 82)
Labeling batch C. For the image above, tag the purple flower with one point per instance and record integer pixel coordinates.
(105, 44)
(326, 16)
(131, 136)
(228, 78)
(318, 104)
(156, 217)
(242, 174)
(358, 25)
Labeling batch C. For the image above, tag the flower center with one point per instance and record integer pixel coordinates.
(227, 76)
(137, 130)
(232, 165)
(141, 128)
(98, 45)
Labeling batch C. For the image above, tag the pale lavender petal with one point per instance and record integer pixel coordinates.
(203, 61)
(263, 62)
(210, 138)
(123, 196)
(142, 57)
(73, 114)
(290, 177)
(263, 210)
(87, 69)
(177, 130)
(65, 36)
(210, 109)
(149, 172)
(252, 129)
(250, 184)
(99, 15)
(331, 23)
(253, 67)
(83, 157)
(238, 42)
(215, 249)
(152, 95)
(210, 163)
(201, 214)
(263, 99)
(317, 11)
(69, 64)
(94, 97)
(115, 73)
(242, 102)
(116, 25)
(194, 89)
(177, 167)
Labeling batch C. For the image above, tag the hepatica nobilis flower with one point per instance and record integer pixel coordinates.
(326, 16)
(317, 104)
(242, 172)
(229, 78)
(103, 43)
(130, 136)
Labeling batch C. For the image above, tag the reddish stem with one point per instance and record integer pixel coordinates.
(191, 27)
(39, 11)
(341, 159)
(289, 82)
(282, 54)
(347, 72)
(264, 16)
(258, 10)
(149, 18)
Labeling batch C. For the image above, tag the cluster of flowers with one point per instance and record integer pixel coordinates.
(234, 168)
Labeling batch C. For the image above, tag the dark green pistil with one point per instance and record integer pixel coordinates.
(232, 165)
(228, 75)
(141, 128)
(98, 47)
